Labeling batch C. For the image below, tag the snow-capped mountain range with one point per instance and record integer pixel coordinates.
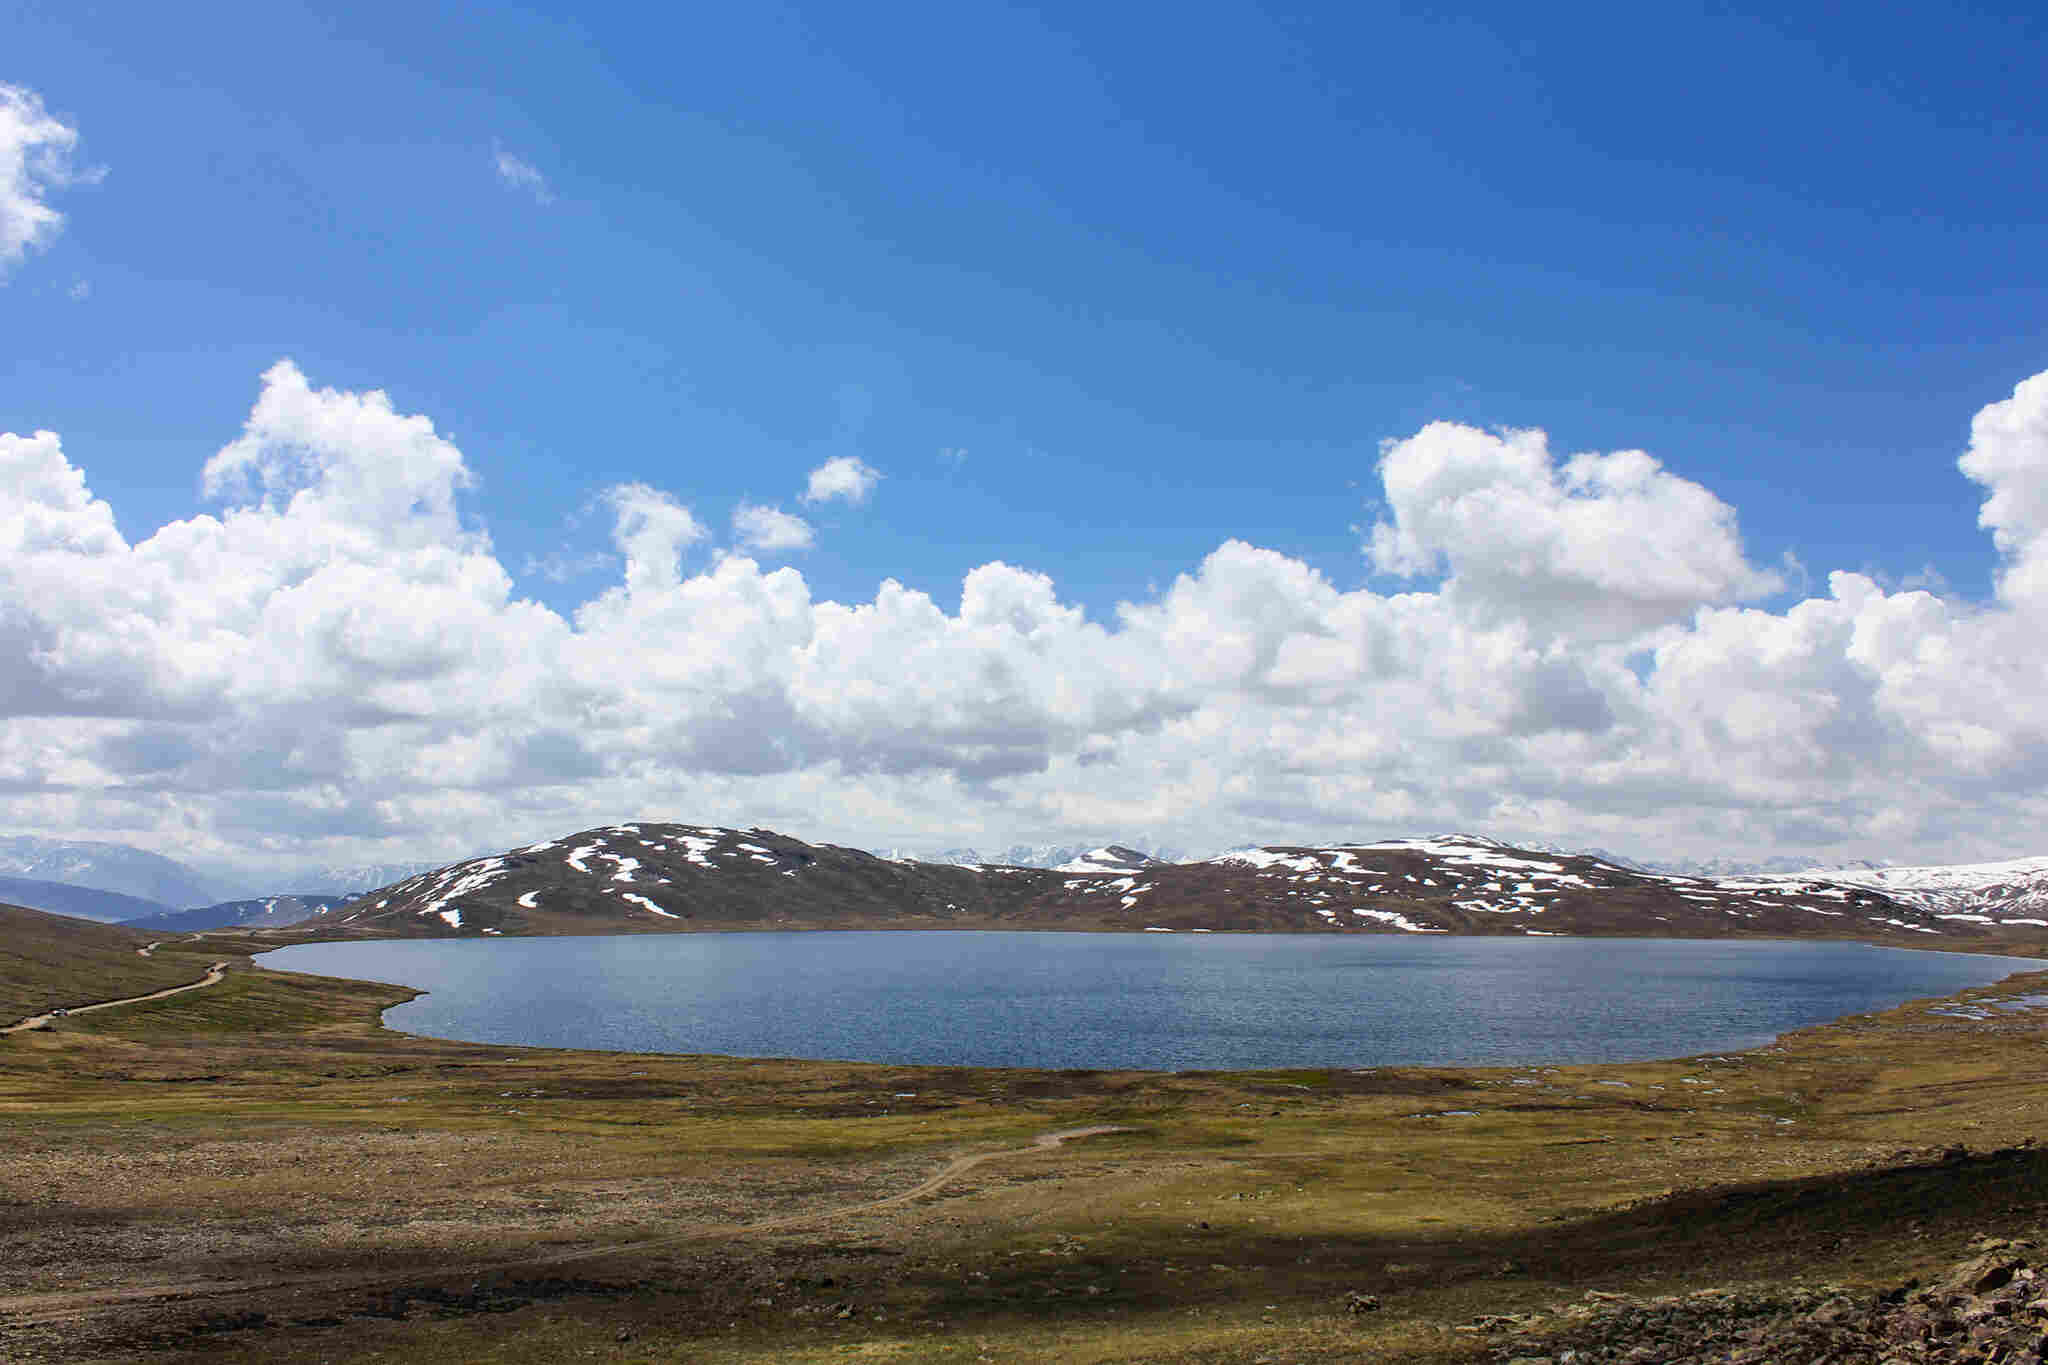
(646, 877)
(355, 880)
(1760, 867)
(1029, 855)
(2014, 892)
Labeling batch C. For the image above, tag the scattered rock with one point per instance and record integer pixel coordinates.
(1355, 1302)
(1492, 1322)
(1983, 1275)
(1993, 1308)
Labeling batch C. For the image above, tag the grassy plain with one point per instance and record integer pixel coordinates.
(258, 1171)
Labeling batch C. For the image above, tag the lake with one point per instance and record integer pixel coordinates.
(1164, 1002)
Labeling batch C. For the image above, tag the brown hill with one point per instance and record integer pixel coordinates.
(641, 878)
(57, 962)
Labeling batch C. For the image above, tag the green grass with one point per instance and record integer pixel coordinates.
(246, 1002)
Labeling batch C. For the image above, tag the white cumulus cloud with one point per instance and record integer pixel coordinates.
(36, 150)
(651, 529)
(2008, 454)
(769, 529)
(1603, 545)
(847, 478)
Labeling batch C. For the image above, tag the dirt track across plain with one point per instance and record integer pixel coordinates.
(212, 978)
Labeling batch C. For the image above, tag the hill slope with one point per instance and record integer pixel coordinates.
(646, 877)
(80, 902)
(641, 877)
(1467, 884)
(56, 961)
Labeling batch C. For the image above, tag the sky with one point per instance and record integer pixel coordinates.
(430, 428)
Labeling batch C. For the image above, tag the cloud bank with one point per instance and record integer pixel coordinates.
(336, 663)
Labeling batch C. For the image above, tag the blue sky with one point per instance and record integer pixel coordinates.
(1094, 289)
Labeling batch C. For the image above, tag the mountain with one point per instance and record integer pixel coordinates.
(2011, 892)
(268, 912)
(1113, 858)
(80, 902)
(1619, 860)
(1756, 867)
(639, 877)
(352, 880)
(649, 877)
(1024, 855)
(1465, 883)
(1782, 866)
(107, 867)
(945, 857)
(2014, 892)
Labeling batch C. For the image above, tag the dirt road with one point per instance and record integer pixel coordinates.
(212, 978)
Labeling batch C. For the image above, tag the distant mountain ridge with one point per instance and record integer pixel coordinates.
(107, 867)
(1028, 855)
(1059, 855)
(2014, 891)
(1780, 866)
(1759, 867)
(2010, 892)
(79, 902)
(345, 880)
(169, 884)
(657, 877)
(265, 912)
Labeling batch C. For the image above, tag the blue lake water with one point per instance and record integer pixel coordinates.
(1152, 1001)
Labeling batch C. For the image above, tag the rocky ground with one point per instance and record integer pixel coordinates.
(1991, 1308)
